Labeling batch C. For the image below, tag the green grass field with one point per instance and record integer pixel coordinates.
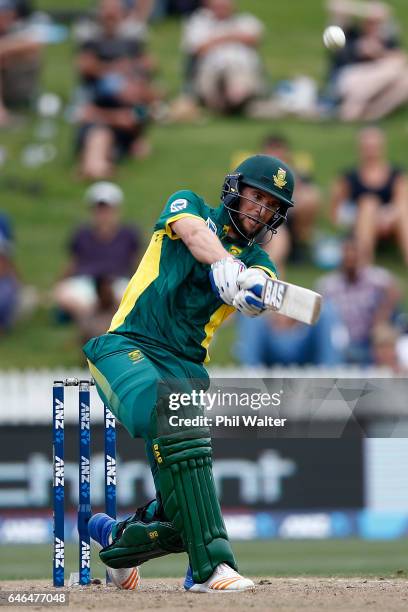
(46, 203)
(259, 558)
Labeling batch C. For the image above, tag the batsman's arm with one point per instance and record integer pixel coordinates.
(203, 244)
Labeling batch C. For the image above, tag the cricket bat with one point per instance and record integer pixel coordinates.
(293, 301)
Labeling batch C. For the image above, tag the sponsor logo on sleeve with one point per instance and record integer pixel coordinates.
(211, 225)
(178, 205)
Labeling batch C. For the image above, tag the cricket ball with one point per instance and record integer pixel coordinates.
(334, 37)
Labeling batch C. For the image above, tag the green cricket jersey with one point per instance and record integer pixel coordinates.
(169, 301)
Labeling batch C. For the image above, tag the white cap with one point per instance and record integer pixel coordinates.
(105, 192)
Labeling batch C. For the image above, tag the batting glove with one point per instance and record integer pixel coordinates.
(248, 300)
(223, 277)
(252, 279)
(248, 303)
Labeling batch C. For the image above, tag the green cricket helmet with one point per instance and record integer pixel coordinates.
(268, 174)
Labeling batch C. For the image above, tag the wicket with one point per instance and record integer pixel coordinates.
(84, 505)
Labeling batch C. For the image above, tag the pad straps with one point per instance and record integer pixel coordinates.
(140, 542)
(189, 498)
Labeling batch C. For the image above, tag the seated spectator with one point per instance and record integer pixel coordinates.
(385, 349)
(143, 10)
(369, 76)
(17, 300)
(365, 296)
(19, 61)
(139, 10)
(402, 345)
(373, 197)
(276, 340)
(224, 67)
(295, 239)
(9, 288)
(104, 248)
(115, 74)
(98, 321)
(6, 231)
(24, 8)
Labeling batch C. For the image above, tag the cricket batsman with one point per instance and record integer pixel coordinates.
(202, 264)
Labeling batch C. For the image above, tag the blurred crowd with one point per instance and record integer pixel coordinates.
(368, 78)
(362, 321)
(117, 97)
(222, 69)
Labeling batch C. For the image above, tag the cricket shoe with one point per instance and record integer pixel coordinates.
(100, 529)
(223, 580)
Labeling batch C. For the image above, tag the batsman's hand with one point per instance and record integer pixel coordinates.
(249, 300)
(252, 279)
(248, 304)
(223, 276)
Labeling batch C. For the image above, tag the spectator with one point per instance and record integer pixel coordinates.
(17, 300)
(98, 321)
(7, 241)
(369, 75)
(276, 340)
(139, 10)
(223, 62)
(6, 231)
(385, 349)
(402, 345)
(115, 74)
(105, 248)
(19, 62)
(9, 288)
(24, 8)
(182, 7)
(373, 198)
(365, 296)
(296, 238)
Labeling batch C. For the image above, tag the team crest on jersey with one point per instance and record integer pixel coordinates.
(135, 355)
(211, 225)
(178, 205)
(279, 178)
(235, 251)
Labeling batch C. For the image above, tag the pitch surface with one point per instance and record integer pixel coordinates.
(280, 594)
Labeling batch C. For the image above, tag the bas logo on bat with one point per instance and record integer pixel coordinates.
(292, 301)
(274, 294)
